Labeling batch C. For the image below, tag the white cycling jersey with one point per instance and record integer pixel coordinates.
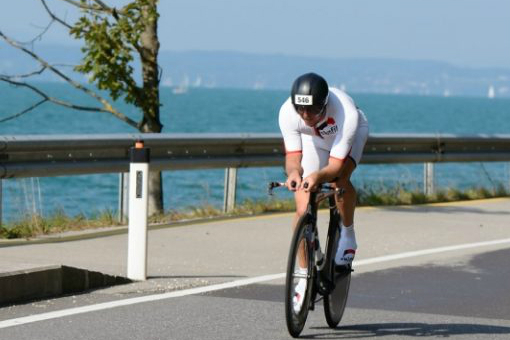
(342, 133)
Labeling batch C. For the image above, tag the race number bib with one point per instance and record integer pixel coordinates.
(300, 99)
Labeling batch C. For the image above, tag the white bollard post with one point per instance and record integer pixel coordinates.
(123, 197)
(138, 208)
(1, 200)
(229, 194)
(429, 186)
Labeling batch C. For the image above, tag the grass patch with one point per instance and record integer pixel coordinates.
(34, 225)
(401, 196)
(59, 221)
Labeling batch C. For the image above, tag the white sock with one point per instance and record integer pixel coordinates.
(300, 287)
(347, 241)
(347, 231)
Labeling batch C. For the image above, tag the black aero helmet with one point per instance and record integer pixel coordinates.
(310, 89)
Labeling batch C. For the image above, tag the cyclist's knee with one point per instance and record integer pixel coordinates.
(301, 202)
(349, 192)
(300, 209)
(346, 184)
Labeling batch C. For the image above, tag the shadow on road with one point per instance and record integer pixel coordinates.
(408, 329)
(197, 277)
(446, 210)
(478, 288)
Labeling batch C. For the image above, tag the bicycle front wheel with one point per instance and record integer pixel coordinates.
(298, 285)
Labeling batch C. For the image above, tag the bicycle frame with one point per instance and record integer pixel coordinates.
(322, 277)
(324, 280)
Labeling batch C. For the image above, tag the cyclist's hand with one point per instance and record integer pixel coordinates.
(310, 183)
(293, 181)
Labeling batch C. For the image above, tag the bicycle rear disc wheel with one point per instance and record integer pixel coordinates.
(334, 302)
(300, 250)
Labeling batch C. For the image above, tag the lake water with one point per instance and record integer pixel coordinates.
(235, 110)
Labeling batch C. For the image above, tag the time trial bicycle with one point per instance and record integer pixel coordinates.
(324, 279)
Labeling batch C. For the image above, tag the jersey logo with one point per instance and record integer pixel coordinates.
(301, 99)
(328, 128)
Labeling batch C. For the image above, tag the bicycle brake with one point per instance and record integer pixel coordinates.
(270, 188)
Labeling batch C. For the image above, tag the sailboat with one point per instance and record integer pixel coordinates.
(492, 93)
(183, 87)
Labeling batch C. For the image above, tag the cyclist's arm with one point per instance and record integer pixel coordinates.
(345, 137)
(294, 170)
(330, 171)
(293, 163)
(292, 140)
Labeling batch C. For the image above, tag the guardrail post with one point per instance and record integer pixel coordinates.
(229, 195)
(138, 208)
(123, 197)
(428, 179)
(1, 199)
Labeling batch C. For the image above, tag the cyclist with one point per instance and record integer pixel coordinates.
(324, 134)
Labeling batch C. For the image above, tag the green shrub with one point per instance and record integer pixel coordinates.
(59, 221)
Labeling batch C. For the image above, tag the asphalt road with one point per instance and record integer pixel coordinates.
(461, 293)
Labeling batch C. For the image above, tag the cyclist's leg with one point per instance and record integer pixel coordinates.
(347, 204)
(314, 158)
(301, 198)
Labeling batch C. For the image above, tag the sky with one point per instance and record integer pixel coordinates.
(468, 33)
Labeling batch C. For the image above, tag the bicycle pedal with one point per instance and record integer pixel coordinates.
(343, 268)
(320, 264)
(324, 285)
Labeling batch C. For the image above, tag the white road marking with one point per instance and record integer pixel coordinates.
(429, 252)
(226, 285)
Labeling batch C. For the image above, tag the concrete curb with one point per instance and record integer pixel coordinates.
(51, 281)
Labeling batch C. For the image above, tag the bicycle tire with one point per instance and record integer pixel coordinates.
(296, 321)
(335, 302)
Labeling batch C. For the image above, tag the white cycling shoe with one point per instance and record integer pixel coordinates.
(299, 294)
(346, 251)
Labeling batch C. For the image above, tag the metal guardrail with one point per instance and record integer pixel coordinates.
(55, 155)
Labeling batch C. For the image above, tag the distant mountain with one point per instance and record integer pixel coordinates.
(242, 70)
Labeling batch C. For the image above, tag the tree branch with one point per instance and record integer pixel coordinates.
(47, 98)
(54, 17)
(51, 99)
(107, 107)
(28, 75)
(100, 7)
(103, 5)
(23, 112)
(83, 6)
(39, 36)
(2, 76)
